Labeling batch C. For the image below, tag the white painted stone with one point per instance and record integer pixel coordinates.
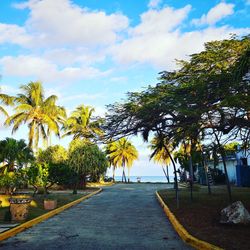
(236, 213)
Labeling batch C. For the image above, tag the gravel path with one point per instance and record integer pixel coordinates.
(124, 216)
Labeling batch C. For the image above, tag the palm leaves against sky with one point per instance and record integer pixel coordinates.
(81, 124)
(123, 153)
(42, 115)
(6, 100)
(160, 154)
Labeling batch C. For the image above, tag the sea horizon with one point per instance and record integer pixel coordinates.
(146, 178)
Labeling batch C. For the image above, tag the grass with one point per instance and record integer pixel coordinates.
(37, 208)
(201, 217)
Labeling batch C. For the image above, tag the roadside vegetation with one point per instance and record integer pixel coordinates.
(201, 216)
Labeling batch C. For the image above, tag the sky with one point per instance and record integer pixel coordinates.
(93, 52)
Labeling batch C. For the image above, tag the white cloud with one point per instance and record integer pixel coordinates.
(160, 21)
(158, 39)
(11, 33)
(46, 71)
(154, 3)
(65, 56)
(60, 22)
(6, 89)
(215, 14)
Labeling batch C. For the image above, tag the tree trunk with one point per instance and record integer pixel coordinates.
(123, 175)
(225, 167)
(191, 175)
(128, 174)
(175, 177)
(113, 173)
(205, 167)
(168, 174)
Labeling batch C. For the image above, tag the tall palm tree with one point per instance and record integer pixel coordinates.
(81, 124)
(111, 161)
(123, 153)
(41, 114)
(160, 155)
(6, 100)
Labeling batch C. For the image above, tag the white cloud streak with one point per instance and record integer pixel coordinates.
(215, 14)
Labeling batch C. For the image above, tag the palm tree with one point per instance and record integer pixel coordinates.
(81, 124)
(14, 154)
(111, 161)
(123, 153)
(160, 155)
(6, 100)
(42, 115)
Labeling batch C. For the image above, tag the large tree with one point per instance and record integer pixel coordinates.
(207, 96)
(41, 114)
(87, 160)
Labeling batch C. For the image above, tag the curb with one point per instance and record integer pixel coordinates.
(28, 224)
(183, 233)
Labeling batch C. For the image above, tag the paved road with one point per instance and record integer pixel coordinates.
(121, 217)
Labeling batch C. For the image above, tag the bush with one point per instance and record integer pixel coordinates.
(218, 176)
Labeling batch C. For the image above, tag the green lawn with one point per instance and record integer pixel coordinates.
(201, 217)
(36, 209)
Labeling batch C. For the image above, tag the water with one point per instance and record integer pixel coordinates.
(147, 178)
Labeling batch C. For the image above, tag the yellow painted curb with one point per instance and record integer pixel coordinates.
(28, 224)
(188, 238)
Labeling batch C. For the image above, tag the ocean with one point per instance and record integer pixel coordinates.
(147, 178)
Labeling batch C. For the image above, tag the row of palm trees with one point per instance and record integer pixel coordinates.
(44, 117)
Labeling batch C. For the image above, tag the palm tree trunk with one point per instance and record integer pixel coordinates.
(113, 173)
(168, 174)
(123, 166)
(128, 174)
(123, 173)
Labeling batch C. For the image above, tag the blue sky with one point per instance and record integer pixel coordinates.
(93, 52)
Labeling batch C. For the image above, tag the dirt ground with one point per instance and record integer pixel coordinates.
(201, 217)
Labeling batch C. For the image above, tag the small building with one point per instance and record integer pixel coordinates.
(238, 168)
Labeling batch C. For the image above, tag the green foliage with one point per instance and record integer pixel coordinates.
(208, 93)
(82, 125)
(38, 176)
(160, 154)
(122, 152)
(87, 159)
(6, 100)
(231, 148)
(14, 154)
(10, 181)
(53, 155)
(62, 174)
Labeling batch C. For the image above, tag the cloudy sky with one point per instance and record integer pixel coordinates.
(94, 51)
